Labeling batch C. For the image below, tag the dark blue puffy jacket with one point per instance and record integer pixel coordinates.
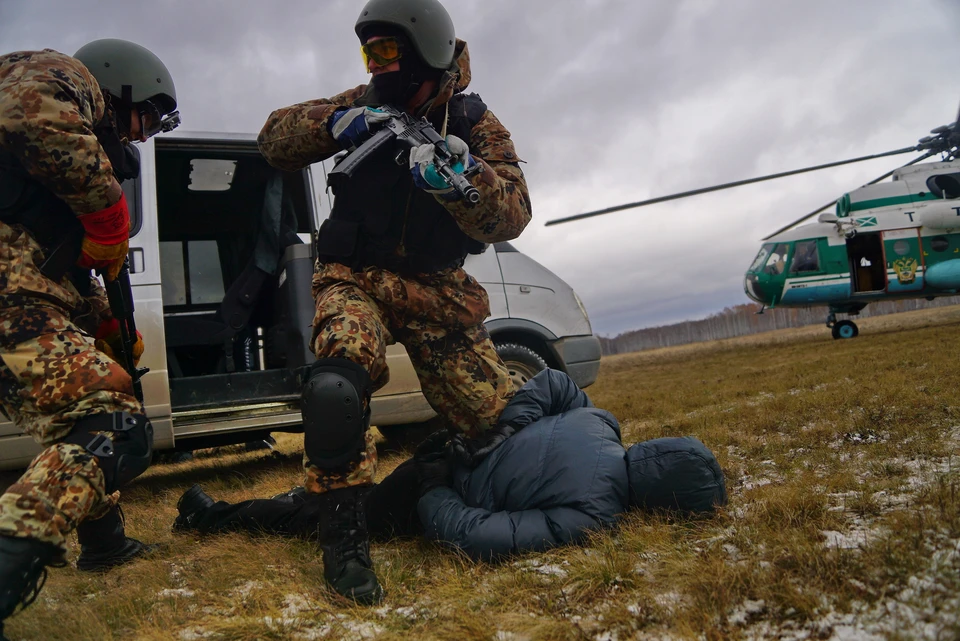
(564, 473)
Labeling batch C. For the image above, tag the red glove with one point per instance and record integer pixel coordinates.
(106, 239)
(109, 342)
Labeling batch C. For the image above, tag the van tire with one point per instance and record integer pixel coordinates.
(522, 362)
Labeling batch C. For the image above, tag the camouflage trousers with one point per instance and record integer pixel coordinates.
(439, 319)
(51, 374)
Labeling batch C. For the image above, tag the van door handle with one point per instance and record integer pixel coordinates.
(136, 260)
(524, 289)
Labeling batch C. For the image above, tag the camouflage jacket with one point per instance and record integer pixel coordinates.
(296, 136)
(49, 104)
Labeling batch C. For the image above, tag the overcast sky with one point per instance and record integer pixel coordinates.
(608, 101)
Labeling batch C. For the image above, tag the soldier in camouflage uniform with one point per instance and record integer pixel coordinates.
(390, 262)
(65, 123)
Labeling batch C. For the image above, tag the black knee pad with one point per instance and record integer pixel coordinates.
(332, 406)
(123, 449)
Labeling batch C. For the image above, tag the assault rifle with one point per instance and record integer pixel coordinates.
(405, 131)
(120, 296)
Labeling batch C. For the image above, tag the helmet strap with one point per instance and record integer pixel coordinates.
(112, 139)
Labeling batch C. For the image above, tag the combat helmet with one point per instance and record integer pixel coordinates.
(130, 72)
(425, 22)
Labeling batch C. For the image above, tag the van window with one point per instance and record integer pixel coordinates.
(190, 273)
(211, 174)
(131, 189)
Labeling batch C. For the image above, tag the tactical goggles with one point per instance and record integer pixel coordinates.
(151, 123)
(382, 51)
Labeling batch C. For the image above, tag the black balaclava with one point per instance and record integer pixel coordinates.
(113, 133)
(398, 87)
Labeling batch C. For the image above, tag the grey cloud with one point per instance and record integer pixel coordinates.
(609, 101)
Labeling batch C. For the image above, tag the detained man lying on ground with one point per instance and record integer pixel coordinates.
(561, 473)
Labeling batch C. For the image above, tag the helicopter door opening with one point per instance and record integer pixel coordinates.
(868, 273)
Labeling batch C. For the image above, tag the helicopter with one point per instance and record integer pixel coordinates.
(885, 240)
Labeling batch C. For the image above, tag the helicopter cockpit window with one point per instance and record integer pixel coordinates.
(761, 258)
(805, 258)
(777, 260)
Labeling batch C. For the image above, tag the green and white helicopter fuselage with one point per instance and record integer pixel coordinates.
(898, 239)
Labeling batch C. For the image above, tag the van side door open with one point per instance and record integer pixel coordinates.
(233, 240)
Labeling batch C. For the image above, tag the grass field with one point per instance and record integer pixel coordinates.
(844, 519)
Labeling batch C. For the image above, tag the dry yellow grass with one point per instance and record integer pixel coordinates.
(844, 516)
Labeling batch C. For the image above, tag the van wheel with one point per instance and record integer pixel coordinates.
(522, 362)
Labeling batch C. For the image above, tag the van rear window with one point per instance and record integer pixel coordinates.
(208, 174)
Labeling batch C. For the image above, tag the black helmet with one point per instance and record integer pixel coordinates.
(425, 23)
(129, 72)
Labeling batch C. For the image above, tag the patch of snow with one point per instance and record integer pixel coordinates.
(746, 611)
(245, 590)
(359, 629)
(668, 599)
(176, 592)
(294, 604)
(538, 566)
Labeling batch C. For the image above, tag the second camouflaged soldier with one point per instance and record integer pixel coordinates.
(65, 123)
(389, 264)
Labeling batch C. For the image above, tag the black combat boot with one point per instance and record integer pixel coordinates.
(103, 543)
(23, 572)
(343, 537)
(191, 507)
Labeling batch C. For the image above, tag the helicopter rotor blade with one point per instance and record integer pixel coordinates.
(737, 183)
(834, 201)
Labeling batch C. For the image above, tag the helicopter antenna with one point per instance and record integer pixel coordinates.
(737, 183)
(834, 201)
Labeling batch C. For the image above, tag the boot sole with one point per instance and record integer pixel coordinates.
(133, 552)
(374, 597)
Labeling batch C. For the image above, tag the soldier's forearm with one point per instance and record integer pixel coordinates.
(294, 137)
(504, 208)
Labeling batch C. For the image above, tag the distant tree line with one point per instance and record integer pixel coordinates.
(741, 320)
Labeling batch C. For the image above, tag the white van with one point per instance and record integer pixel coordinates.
(221, 261)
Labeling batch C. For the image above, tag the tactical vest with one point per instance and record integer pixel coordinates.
(51, 222)
(381, 219)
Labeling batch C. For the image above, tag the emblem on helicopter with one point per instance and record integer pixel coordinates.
(840, 260)
(906, 270)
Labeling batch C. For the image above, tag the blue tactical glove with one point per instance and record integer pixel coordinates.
(425, 175)
(351, 127)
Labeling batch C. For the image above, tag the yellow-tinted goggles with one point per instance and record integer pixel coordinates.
(382, 51)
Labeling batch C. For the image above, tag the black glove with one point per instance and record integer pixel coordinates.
(436, 442)
(470, 452)
(433, 470)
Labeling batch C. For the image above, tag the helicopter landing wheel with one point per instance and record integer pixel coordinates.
(845, 329)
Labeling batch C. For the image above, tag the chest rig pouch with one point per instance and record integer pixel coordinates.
(381, 219)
